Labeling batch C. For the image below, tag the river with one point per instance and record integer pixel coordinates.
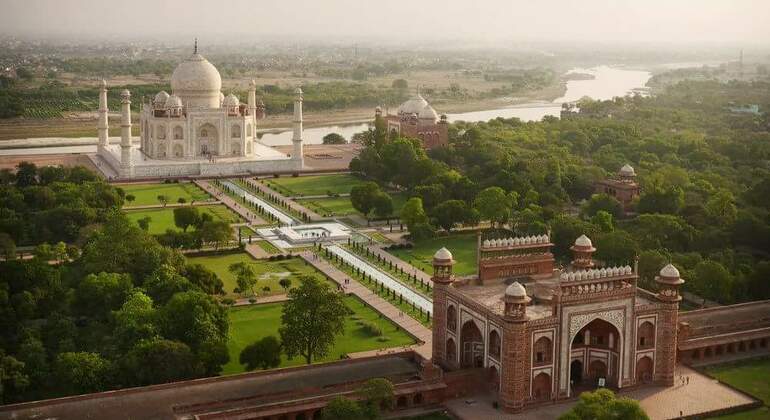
(607, 83)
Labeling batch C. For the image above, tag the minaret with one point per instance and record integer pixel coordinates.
(253, 99)
(125, 133)
(442, 282)
(669, 282)
(103, 124)
(296, 154)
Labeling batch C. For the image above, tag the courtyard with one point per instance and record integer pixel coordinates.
(147, 194)
(162, 219)
(463, 248)
(314, 185)
(253, 322)
(341, 206)
(269, 273)
(750, 376)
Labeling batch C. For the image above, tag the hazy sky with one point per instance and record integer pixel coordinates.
(675, 21)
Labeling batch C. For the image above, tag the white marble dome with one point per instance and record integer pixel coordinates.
(627, 170)
(669, 271)
(414, 105)
(442, 254)
(515, 290)
(428, 113)
(161, 98)
(173, 101)
(583, 241)
(197, 82)
(231, 100)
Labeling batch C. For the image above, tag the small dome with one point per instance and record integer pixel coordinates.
(428, 114)
(627, 170)
(669, 271)
(442, 254)
(161, 97)
(414, 105)
(231, 100)
(515, 290)
(583, 241)
(173, 101)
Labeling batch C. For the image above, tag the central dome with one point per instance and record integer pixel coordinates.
(197, 82)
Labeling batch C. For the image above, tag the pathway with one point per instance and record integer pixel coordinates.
(172, 205)
(280, 215)
(409, 324)
(256, 251)
(225, 199)
(299, 208)
(398, 262)
(260, 300)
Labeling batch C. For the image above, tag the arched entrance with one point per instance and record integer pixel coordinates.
(595, 351)
(451, 352)
(644, 370)
(472, 345)
(541, 387)
(494, 379)
(208, 140)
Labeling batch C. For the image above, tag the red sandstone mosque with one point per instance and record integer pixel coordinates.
(416, 118)
(623, 187)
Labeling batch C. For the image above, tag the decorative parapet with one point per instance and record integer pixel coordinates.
(597, 280)
(514, 242)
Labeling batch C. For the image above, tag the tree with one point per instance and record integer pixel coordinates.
(245, 276)
(412, 213)
(341, 408)
(181, 200)
(264, 354)
(616, 248)
(602, 404)
(218, 233)
(13, 380)
(450, 213)
(661, 200)
(7, 246)
(26, 174)
(400, 84)
(205, 279)
(185, 217)
(603, 221)
(144, 223)
(603, 202)
(81, 372)
(44, 252)
(130, 198)
(285, 283)
(712, 281)
(376, 394)
(164, 283)
(159, 361)
(383, 205)
(162, 199)
(334, 138)
(99, 294)
(493, 204)
(135, 320)
(720, 209)
(363, 196)
(312, 318)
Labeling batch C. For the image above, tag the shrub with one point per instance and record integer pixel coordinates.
(372, 329)
(383, 338)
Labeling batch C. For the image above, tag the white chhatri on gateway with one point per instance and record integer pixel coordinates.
(196, 130)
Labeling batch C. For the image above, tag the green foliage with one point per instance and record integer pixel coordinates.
(376, 394)
(341, 408)
(334, 138)
(493, 204)
(604, 405)
(185, 217)
(264, 354)
(245, 277)
(98, 294)
(363, 197)
(605, 203)
(312, 317)
(12, 377)
(159, 361)
(82, 372)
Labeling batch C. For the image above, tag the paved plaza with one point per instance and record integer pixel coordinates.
(702, 395)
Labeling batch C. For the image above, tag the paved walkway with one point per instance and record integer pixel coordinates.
(256, 251)
(260, 300)
(701, 395)
(172, 205)
(225, 199)
(292, 204)
(409, 324)
(398, 262)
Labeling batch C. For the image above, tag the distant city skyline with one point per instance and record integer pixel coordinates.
(492, 21)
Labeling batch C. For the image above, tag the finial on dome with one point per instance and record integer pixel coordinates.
(195, 50)
(104, 83)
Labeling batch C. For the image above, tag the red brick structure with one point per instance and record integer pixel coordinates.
(512, 257)
(417, 119)
(623, 188)
(546, 334)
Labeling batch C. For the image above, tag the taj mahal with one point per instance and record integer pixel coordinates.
(194, 131)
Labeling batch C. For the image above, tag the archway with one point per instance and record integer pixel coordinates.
(494, 344)
(161, 150)
(645, 336)
(598, 346)
(178, 150)
(472, 345)
(208, 140)
(576, 372)
(542, 351)
(541, 387)
(644, 370)
(235, 148)
(451, 318)
(178, 133)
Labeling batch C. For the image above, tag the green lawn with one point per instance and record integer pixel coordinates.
(147, 194)
(250, 323)
(314, 185)
(462, 247)
(750, 376)
(269, 273)
(163, 218)
(341, 206)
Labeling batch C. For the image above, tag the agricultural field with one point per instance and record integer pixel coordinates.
(147, 194)
(751, 377)
(462, 247)
(253, 322)
(314, 185)
(163, 218)
(341, 206)
(269, 273)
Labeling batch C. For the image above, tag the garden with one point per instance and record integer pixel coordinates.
(147, 194)
(314, 185)
(751, 377)
(162, 219)
(462, 247)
